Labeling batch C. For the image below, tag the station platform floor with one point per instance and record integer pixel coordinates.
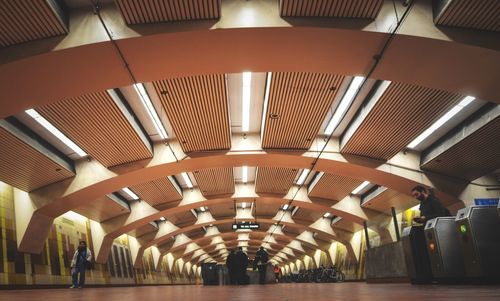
(349, 291)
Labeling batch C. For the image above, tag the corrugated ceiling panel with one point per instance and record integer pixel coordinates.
(157, 192)
(154, 11)
(331, 8)
(301, 101)
(476, 155)
(24, 167)
(274, 180)
(23, 21)
(215, 181)
(334, 187)
(197, 107)
(400, 115)
(101, 209)
(474, 14)
(96, 124)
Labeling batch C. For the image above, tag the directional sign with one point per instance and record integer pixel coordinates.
(246, 225)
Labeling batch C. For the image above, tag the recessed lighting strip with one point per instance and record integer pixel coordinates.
(54, 131)
(441, 121)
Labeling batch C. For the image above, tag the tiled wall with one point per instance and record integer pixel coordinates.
(51, 267)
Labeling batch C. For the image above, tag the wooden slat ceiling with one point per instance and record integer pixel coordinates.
(197, 107)
(274, 180)
(154, 11)
(301, 101)
(96, 124)
(24, 21)
(390, 198)
(215, 181)
(476, 155)
(400, 115)
(143, 230)
(224, 210)
(157, 192)
(24, 167)
(474, 14)
(101, 209)
(334, 187)
(367, 9)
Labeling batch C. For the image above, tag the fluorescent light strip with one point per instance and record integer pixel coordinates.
(187, 180)
(303, 176)
(360, 187)
(54, 131)
(445, 118)
(130, 193)
(295, 210)
(153, 115)
(345, 103)
(244, 171)
(245, 99)
(266, 100)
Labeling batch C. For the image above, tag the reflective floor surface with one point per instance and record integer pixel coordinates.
(351, 291)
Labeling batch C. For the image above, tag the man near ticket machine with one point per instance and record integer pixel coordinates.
(430, 206)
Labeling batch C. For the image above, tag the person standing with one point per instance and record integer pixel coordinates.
(277, 273)
(231, 267)
(81, 260)
(261, 257)
(241, 266)
(430, 205)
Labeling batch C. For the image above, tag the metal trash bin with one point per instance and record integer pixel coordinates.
(479, 230)
(416, 257)
(444, 249)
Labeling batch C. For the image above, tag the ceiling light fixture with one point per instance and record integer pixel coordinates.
(326, 215)
(436, 125)
(186, 178)
(163, 219)
(244, 174)
(303, 176)
(266, 100)
(54, 131)
(153, 115)
(130, 193)
(243, 205)
(345, 103)
(285, 207)
(245, 97)
(360, 187)
(203, 209)
(295, 210)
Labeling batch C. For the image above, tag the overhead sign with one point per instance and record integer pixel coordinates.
(246, 226)
(486, 201)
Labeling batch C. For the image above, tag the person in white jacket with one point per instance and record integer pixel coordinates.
(81, 259)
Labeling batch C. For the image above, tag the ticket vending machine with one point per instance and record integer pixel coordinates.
(445, 250)
(479, 231)
(416, 256)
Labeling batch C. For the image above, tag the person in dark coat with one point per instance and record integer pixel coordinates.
(430, 206)
(81, 259)
(241, 266)
(261, 258)
(231, 267)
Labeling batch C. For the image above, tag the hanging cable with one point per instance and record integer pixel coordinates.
(377, 57)
(97, 11)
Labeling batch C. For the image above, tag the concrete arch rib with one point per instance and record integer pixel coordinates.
(54, 200)
(256, 49)
(163, 237)
(206, 241)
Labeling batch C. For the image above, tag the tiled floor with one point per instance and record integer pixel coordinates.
(283, 292)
